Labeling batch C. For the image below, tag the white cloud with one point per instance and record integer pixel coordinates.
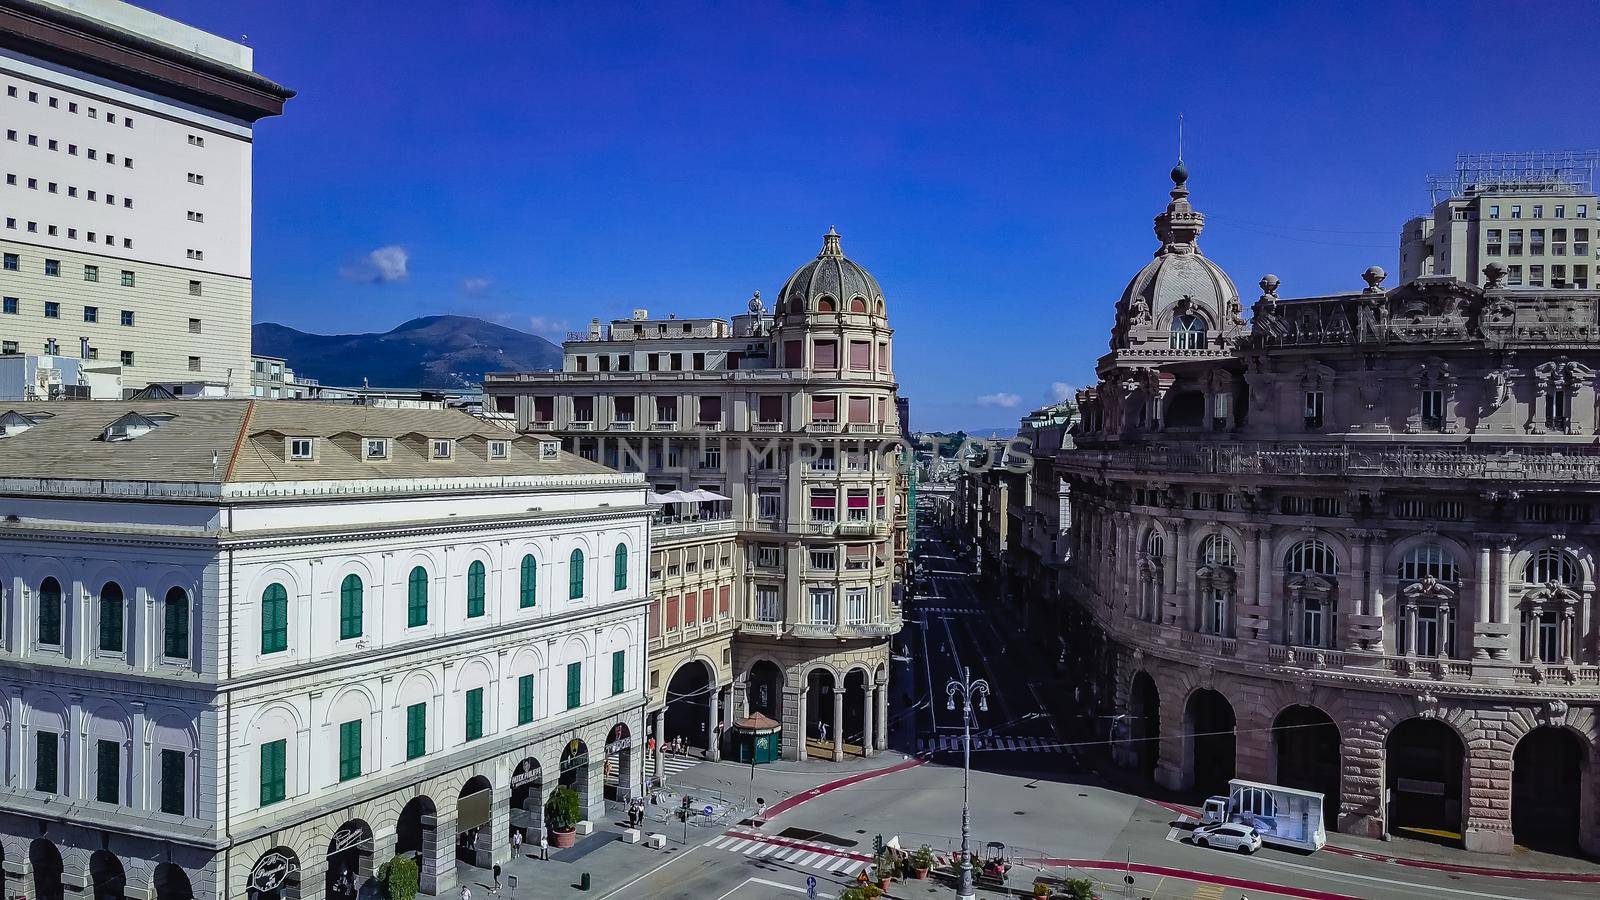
(1060, 390)
(474, 285)
(382, 266)
(1002, 400)
(542, 325)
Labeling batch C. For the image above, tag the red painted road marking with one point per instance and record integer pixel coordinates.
(1456, 868)
(791, 802)
(1244, 884)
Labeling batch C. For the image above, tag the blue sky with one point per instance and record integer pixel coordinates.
(996, 166)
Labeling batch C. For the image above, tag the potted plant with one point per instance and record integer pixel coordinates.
(1079, 889)
(921, 862)
(1041, 890)
(888, 866)
(862, 892)
(400, 878)
(562, 812)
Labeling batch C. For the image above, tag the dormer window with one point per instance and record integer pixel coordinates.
(302, 448)
(133, 425)
(1188, 333)
(14, 423)
(375, 448)
(549, 449)
(442, 449)
(499, 449)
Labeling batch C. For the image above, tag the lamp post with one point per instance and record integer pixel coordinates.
(967, 689)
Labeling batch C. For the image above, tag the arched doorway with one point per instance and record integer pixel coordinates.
(1422, 771)
(855, 709)
(414, 832)
(575, 771)
(1547, 788)
(349, 860)
(45, 860)
(819, 713)
(1209, 724)
(764, 690)
(1144, 715)
(474, 811)
(275, 876)
(688, 704)
(619, 763)
(527, 781)
(172, 883)
(107, 880)
(1307, 743)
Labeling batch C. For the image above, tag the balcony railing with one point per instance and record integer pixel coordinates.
(1516, 463)
(693, 529)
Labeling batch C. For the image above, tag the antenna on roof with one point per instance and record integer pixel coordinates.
(1180, 137)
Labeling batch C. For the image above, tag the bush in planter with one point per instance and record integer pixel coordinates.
(922, 860)
(1078, 889)
(400, 877)
(563, 811)
(1040, 889)
(888, 865)
(863, 892)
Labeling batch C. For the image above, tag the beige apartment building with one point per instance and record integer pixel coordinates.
(771, 442)
(1533, 213)
(126, 142)
(1350, 543)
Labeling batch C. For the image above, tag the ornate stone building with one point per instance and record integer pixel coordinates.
(772, 442)
(1349, 544)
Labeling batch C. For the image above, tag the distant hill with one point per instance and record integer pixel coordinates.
(431, 352)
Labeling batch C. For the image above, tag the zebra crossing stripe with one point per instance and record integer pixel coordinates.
(739, 846)
(722, 843)
(767, 850)
(810, 859)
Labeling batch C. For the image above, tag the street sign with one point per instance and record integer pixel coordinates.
(708, 809)
(811, 887)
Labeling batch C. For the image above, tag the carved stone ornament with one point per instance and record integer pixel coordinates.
(1555, 713)
(1428, 705)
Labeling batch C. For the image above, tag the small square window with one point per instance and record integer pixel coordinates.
(10, 305)
(127, 276)
(194, 326)
(91, 313)
(301, 447)
(498, 449)
(91, 273)
(194, 363)
(127, 318)
(11, 262)
(127, 357)
(194, 288)
(376, 448)
(52, 309)
(442, 449)
(52, 267)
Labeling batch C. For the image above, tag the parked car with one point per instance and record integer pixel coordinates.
(1227, 836)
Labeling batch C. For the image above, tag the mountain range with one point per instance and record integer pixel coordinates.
(430, 352)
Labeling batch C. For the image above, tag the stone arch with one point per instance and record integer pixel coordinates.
(1307, 755)
(1552, 787)
(107, 878)
(826, 304)
(858, 305)
(275, 875)
(356, 697)
(1580, 551)
(44, 860)
(821, 681)
(574, 772)
(1144, 722)
(349, 860)
(688, 702)
(1210, 740)
(475, 822)
(171, 882)
(764, 684)
(526, 785)
(857, 687)
(1425, 772)
(619, 763)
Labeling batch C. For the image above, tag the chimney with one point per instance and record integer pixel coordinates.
(594, 329)
(83, 348)
(639, 315)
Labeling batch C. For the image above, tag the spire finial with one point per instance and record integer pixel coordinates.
(1180, 139)
(830, 243)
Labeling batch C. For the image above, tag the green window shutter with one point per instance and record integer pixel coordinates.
(111, 618)
(349, 749)
(575, 576)
(416, 730)
(174, 781)
(529, 588)
(46, 746)
(417, 598)
(620, 576)
(475, 577)
(108, 772)
(274, 771)
(574, 685)
(350, 612)
(524, 699)
(274, 619)
(619, 671)
(50, 612)
(474, 714)
(175, 635)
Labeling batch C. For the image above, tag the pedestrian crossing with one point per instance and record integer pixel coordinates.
(948, 743)
(794, 853)
(672, 764)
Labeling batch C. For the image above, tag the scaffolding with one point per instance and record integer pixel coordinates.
(1524, 172)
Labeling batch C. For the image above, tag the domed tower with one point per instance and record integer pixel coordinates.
(1180, 305)
(830, 317)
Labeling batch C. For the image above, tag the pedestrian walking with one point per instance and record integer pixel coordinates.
(822, 731)
(761, 811)
(496, 889)
(466, 893)
(516, 842)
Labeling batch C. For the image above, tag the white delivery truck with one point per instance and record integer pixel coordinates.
(1286, 817)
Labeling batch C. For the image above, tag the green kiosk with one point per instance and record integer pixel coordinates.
(756, 739)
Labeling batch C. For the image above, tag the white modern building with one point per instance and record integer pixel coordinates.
(125, 190)
(256, 649)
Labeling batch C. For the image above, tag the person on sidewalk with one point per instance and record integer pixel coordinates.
(516, 842)
(761, 812)
(466, 893)
(496, 889)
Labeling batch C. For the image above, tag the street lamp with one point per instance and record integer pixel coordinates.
(967, 688)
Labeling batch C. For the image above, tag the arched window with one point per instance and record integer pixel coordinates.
(858, 304)
(1552, 564)
(350, 602)
(1217, 550)
(417, 598)
(575, 576)
(528, 586)
(1152, 557)
(274, 619)
(50, 612)
(111, 618)
(1155, 546)
(175, 621)
(1308, 557)
(1429, 561)
(475, 579)
(1188, 333)
(825, 305)
(619, 575)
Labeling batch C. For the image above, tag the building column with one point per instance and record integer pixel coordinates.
(881, 698)
(868, 734)
(438, 862)
(1410, 612)
(1483, 576)
(838, 723)
(311, 880)
(1502, 584)
(794, 723)
(1374, 593)
(497, 843)
(713, 719)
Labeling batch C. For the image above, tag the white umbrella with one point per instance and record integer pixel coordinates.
(671, 497)
(704, 496)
